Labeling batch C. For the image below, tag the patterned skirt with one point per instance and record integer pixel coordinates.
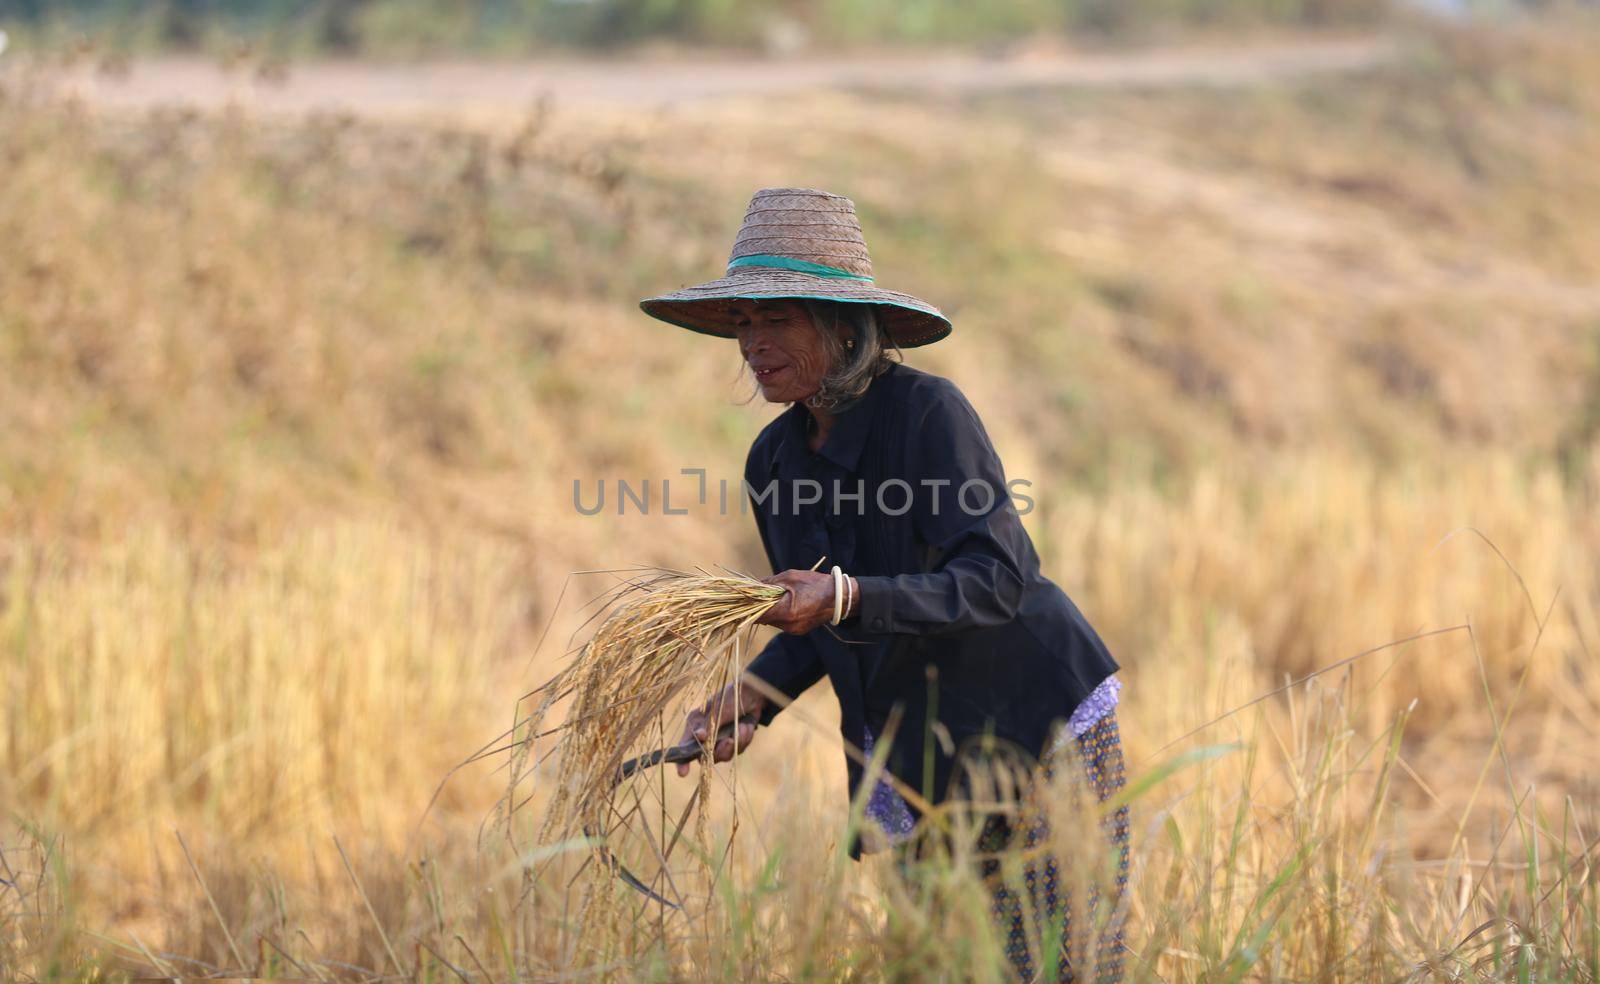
(1035, 890)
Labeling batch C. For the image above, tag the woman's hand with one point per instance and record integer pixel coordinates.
(808, 603)
(736, 699)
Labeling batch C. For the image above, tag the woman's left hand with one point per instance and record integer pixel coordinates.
(808, 603)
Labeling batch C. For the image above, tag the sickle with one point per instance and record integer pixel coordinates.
(689, 751)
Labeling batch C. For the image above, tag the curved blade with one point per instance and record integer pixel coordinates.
(689, 751)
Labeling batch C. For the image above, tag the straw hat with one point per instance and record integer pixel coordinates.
(799, 243)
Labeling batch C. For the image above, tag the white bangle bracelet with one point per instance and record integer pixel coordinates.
(838, 594)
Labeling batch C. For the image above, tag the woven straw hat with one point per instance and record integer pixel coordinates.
(799, 243)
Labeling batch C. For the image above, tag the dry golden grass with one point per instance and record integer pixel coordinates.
(294, 413)
(1187, 589)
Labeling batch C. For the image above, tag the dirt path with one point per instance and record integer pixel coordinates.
(449, 87)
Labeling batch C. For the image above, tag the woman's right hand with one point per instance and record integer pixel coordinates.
(736, 700)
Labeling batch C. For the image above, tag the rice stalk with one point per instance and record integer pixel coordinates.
(670, 640)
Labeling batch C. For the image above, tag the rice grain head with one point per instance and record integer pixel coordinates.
(671, 640)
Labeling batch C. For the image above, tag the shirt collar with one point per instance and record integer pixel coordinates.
(846, 438)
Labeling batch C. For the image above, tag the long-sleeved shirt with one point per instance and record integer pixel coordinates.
(957, 634)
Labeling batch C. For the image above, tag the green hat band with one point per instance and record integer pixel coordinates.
(800, 266)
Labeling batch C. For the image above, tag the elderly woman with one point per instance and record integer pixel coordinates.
(931, 611)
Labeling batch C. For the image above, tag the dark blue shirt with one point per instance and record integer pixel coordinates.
(958, 634)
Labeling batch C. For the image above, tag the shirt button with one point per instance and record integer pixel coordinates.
(877, 623)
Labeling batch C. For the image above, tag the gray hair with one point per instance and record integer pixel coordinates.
(852, 369)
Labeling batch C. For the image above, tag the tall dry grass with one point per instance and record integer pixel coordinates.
(261, 695)
(264, 708)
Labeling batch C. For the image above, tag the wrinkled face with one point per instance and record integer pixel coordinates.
(787, 355)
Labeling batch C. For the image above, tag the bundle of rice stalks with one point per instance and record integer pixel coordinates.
(670, 641)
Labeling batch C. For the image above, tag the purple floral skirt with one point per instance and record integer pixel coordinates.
(888, 810)
(1038, 907)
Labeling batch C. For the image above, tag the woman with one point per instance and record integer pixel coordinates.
(930, 614)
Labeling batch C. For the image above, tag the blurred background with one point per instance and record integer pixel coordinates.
(312, 314)
(521, 27)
